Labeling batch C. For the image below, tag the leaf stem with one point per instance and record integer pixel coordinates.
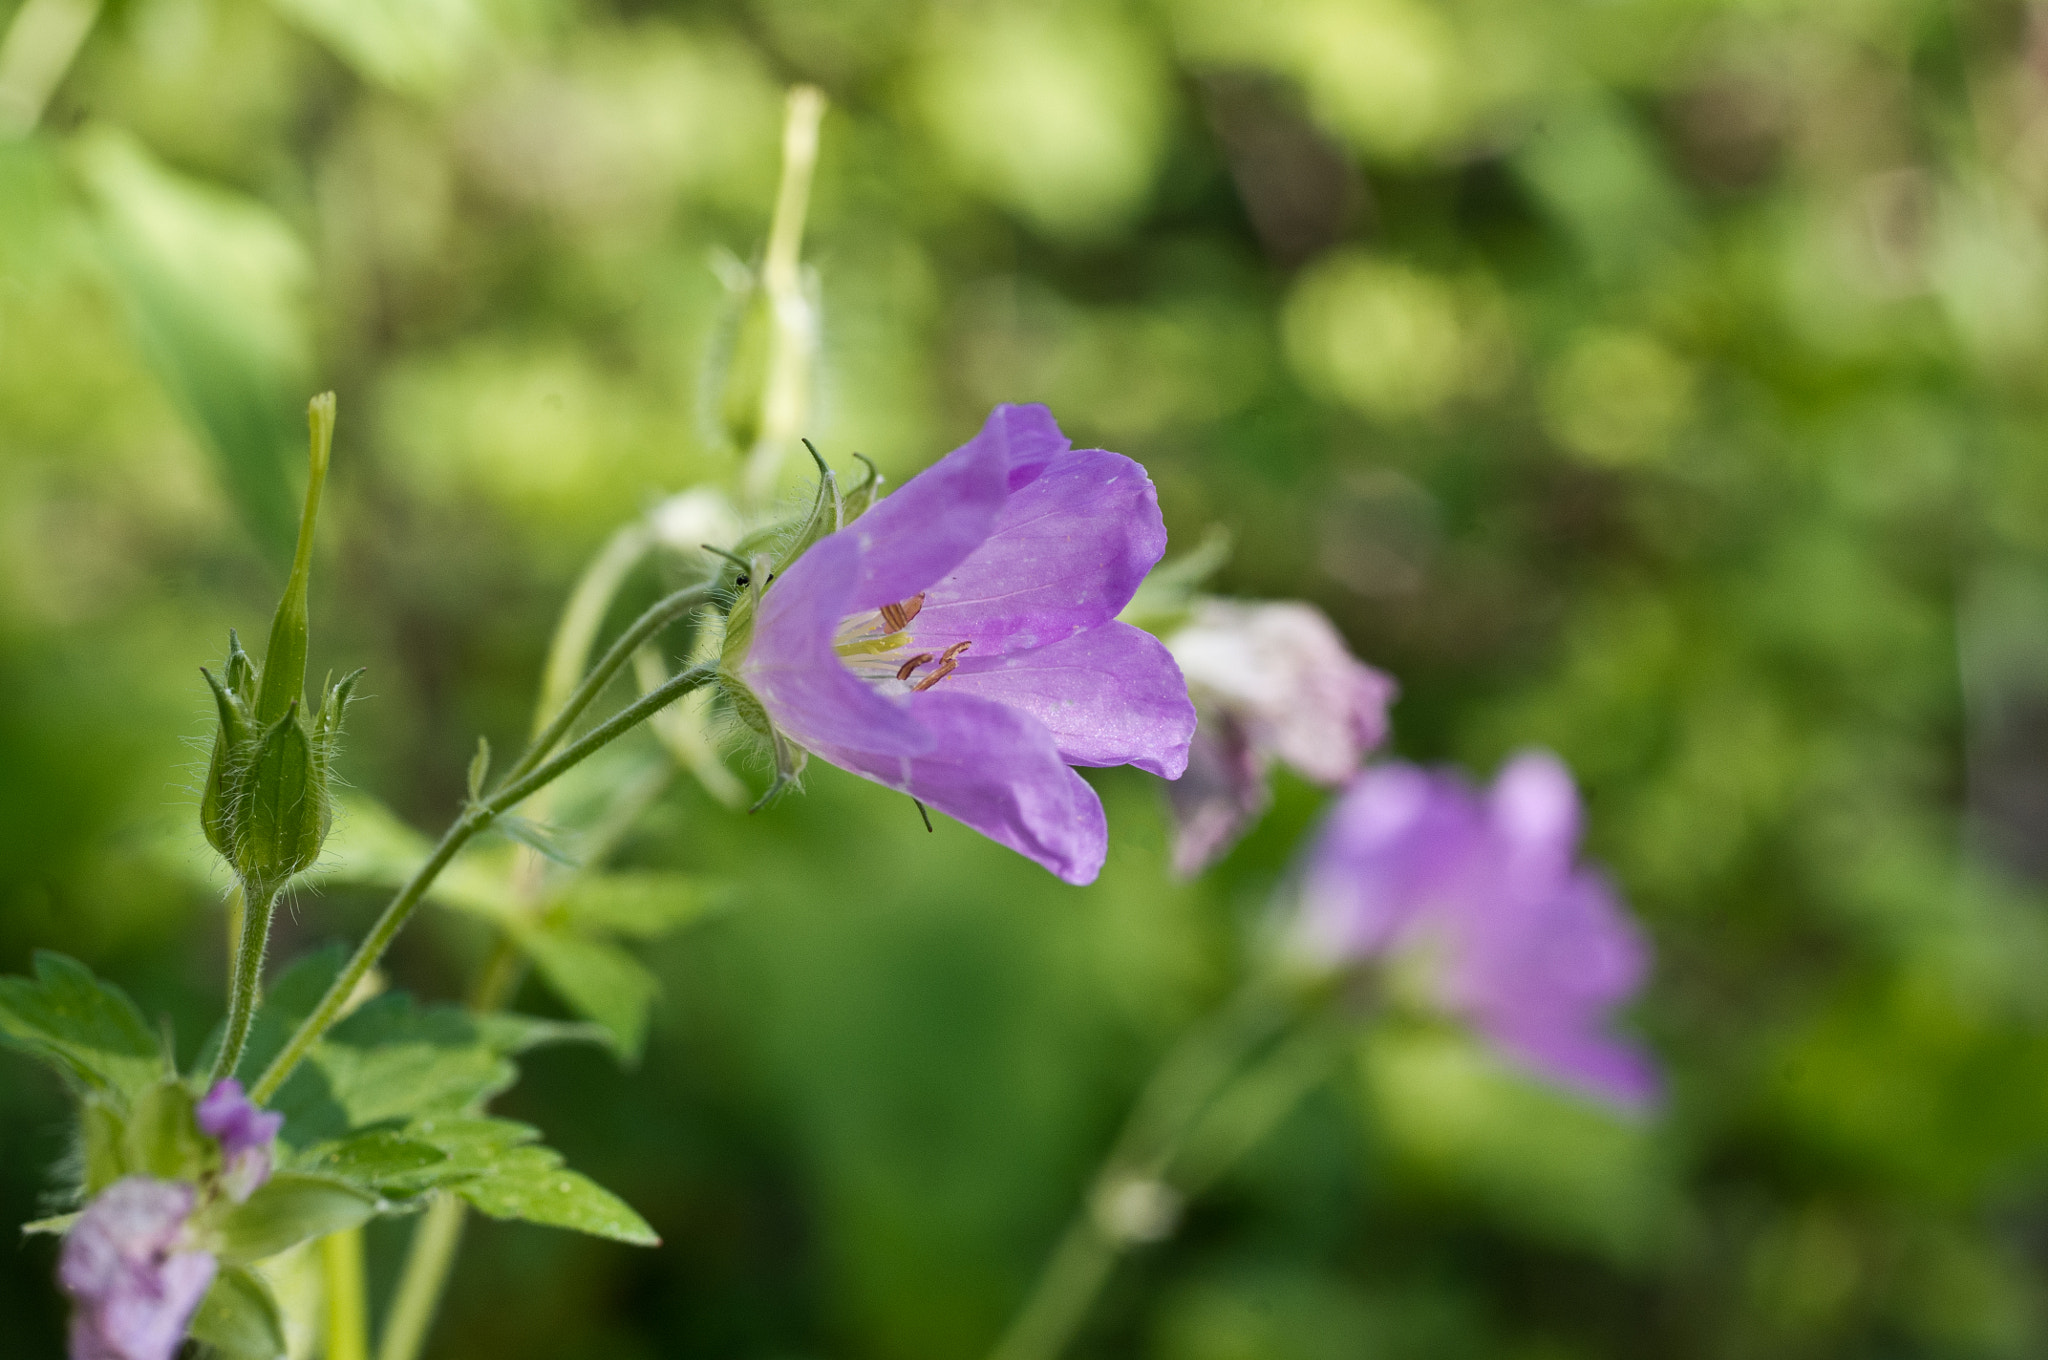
(258, 906)
(475, 818)
(348, 1304)
(419, 1288)
(1194, 1081)
(658, 616)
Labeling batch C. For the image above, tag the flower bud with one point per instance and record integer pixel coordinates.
(265, 806)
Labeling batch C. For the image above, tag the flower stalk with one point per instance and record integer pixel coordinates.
(474, 819)
(793, 321)
(1212, 1097)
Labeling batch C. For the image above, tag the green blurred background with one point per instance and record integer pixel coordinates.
(1657, 380)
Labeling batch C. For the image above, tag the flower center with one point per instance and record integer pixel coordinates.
(877, 646)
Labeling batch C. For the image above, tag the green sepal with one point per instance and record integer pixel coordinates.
(291, 1207)
(239, 1318)
(163, 1139)
(102, 1145)
(280, 809)
(241, 671)
(862, 497)
(55, 1226)
(224, 764)
(333, 707)
(827, 514)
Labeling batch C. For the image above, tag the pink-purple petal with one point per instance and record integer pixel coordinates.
(793, 670)
(1065, 554)
(1533, 950)
(996, 769)
(926, 528)
(1109, 696)
(1221, 793)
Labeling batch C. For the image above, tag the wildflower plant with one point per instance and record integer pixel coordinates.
(971, 639)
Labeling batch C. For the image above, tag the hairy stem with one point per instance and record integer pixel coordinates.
(419, 1288)
(474, 819)
(659, 615)
(258, 907)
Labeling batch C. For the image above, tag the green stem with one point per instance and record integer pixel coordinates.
(419, 1288)
(474, 819)
(254, 932)
(1079, 1267)
(1195, 1075)
(793, 338)
(659, 615)
(341, 1266)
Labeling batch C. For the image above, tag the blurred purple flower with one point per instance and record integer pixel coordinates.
(959, 641)
(246, 1134)
(134, 1288)
(1272, 682)
(1484, 890)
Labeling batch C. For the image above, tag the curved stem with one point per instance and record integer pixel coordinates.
(419, 1288)
(473, 820)
(658, 616)
(1190, 1081)
(1075, 1274)
(255, 938)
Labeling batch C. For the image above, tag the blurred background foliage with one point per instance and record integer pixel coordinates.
(1658, 380)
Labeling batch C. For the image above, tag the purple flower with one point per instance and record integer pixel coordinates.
(134, 1284)
(1272, 682)
(245, 1133)
(1484, 890)
(959, 641)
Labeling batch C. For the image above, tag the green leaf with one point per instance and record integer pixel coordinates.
(507, 1032)
(291, 1208)
(598, 980)
(640, 905)
(531, 1184)
(381, 1160)
(369, 846)
(240, 1319)
(86, 1028)
(391, 1061)
(545, 841)
(474, 1146)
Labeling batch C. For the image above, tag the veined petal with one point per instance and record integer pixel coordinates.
(996, 769)
(793, 670)
(917, 534)
(1110, 696)
(1065, 553)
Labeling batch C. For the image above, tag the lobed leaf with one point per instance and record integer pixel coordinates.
(531, 1184)
(85, 1027)
(598, 980)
